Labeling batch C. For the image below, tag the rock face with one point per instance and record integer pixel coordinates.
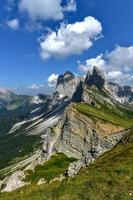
(74, 168)
(15, 181)
(79, 136)
(97, 78)
(122, 94)
(67, 85)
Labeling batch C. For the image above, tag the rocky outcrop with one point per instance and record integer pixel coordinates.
(67, 84)
(15, 181)
(41, 181)
(96, 78)
(74, 168)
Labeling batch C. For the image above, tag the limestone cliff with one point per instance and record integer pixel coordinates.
(82, 137)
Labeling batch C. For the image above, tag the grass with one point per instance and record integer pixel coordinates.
(105, 113)
(109, 178)
(57, 165)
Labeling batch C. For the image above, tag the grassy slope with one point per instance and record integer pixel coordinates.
(57, 165)
(109, 178)
(105, 110)
(118, 116)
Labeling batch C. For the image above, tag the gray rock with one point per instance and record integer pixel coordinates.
(123, 94)
(67, 85)
(41, 181)
(15, 181)
(97, 78)
(74, 168)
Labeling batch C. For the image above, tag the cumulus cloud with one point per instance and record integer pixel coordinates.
(70, 39)
(117, 64)
(13, 24)
(114, 74)
(98, 61)
(52, 80)
(121, 58)
(46, 9)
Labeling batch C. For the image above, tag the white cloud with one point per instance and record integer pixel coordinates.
(52, 80)
(121, 58)
(98, 61)
(46, 9)
(71, 39)
(117, 64)
(114, 74)
(13, 24)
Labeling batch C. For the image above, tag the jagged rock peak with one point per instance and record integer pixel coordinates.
(98, 72)
(67, 76)
(67, 84)
(97, 78)
(88, 79)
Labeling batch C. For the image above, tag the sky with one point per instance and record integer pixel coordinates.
(40, 39)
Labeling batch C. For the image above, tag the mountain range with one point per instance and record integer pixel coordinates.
(53, 140)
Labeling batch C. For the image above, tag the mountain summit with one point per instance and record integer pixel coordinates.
(67, 84)
(97, 78)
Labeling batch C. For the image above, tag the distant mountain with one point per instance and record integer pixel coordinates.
(6, 97)
(122, 94)
(15, 108)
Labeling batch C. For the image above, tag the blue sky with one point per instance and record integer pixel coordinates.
(30, 53)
